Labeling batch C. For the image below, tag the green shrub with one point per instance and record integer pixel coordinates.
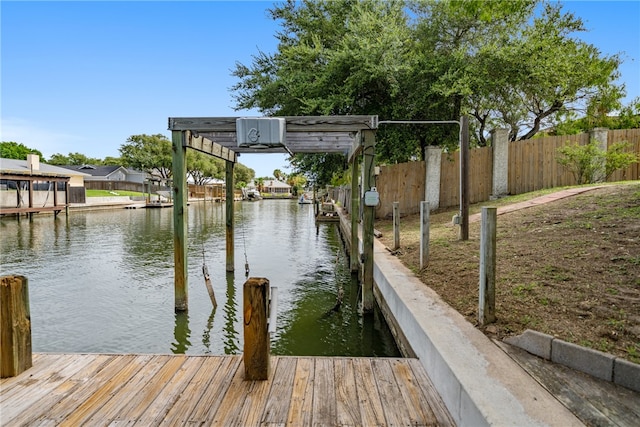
(589, 163)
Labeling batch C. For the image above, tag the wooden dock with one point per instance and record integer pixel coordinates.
(148, 390)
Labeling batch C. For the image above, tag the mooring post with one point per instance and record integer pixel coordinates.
(424, 234)
(396, 225)
(229, 216)
(368, 152)
(354, 211)
(179, 173)
(256, 333)
(487, 300)
(15, 326)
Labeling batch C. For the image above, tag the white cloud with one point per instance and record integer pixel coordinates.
(47, 141)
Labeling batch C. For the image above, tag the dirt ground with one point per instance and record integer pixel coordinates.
(569, 268)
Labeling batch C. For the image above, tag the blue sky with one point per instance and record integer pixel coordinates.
(84, 76)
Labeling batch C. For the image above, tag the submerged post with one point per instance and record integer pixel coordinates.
(256, 333)
(487, 299)
(179, 166)
(229, 215)
(15, 326)
(424, 234)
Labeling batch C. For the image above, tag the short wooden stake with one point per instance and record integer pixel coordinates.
(396, 225)
(424, 234)
(487, 300)
(256, 335)
(15, 326)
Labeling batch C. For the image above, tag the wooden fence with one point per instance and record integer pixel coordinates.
(532, 166)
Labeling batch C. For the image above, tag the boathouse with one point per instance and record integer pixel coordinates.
(28, 186)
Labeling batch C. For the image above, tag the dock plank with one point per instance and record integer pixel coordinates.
(279, 400)
(371, 410)
(253, 406)
(180, 412)
(347, 409)
(50, 392)
(301, 406)
(153, 390)
(154, 385)
(213, 394)
(117, 378)
(434, 401)
(128, 394)
(91, 381)
(390, 394)
(324, 397)
(169, 395)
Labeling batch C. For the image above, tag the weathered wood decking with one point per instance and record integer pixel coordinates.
(146, 390)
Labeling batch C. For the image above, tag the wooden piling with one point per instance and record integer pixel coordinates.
(368, 152)
(15, 326)
(256, 335)
(487, 298)
(180, 189)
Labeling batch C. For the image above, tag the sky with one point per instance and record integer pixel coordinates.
(83, 76)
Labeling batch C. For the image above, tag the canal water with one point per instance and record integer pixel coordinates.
(102, 281)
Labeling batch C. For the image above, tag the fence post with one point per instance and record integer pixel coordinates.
(256, 333)
(487, 299)
(15, 326)
(500, 157)
(601, 136)
(396, 225)
(433, 166)
(424, 234)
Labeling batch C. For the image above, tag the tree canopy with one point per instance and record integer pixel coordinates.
(17, 151)
(505, 63)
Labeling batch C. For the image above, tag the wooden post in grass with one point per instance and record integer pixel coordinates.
(424, 234)
(15, 326)
(396, 225)
(487, 300)
(256, 334)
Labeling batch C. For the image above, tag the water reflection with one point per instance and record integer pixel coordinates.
(102, 281)
(206, 335)
(181, 333)
(231, 341)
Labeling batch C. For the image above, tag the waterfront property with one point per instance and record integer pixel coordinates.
(28, 187)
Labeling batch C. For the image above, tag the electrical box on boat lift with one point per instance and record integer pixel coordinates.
(261, 132)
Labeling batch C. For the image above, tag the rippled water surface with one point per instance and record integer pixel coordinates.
(102, 281)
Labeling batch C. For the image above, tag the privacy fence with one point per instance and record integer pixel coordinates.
(504, 168)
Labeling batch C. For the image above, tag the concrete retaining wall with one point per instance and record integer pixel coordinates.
(478, 382)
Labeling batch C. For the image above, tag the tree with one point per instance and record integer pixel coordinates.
(279, 175)
(148, 153)
(75, 159)
(18, 151)
(496, 61)
(201, 167)
(359, 44)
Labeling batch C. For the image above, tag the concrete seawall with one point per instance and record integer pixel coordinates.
(479, 383)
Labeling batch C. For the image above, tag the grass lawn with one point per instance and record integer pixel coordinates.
(107, 193)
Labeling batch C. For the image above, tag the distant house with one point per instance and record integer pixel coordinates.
(110, 173)
(35, 167)
(276, 187)
(30, 186)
